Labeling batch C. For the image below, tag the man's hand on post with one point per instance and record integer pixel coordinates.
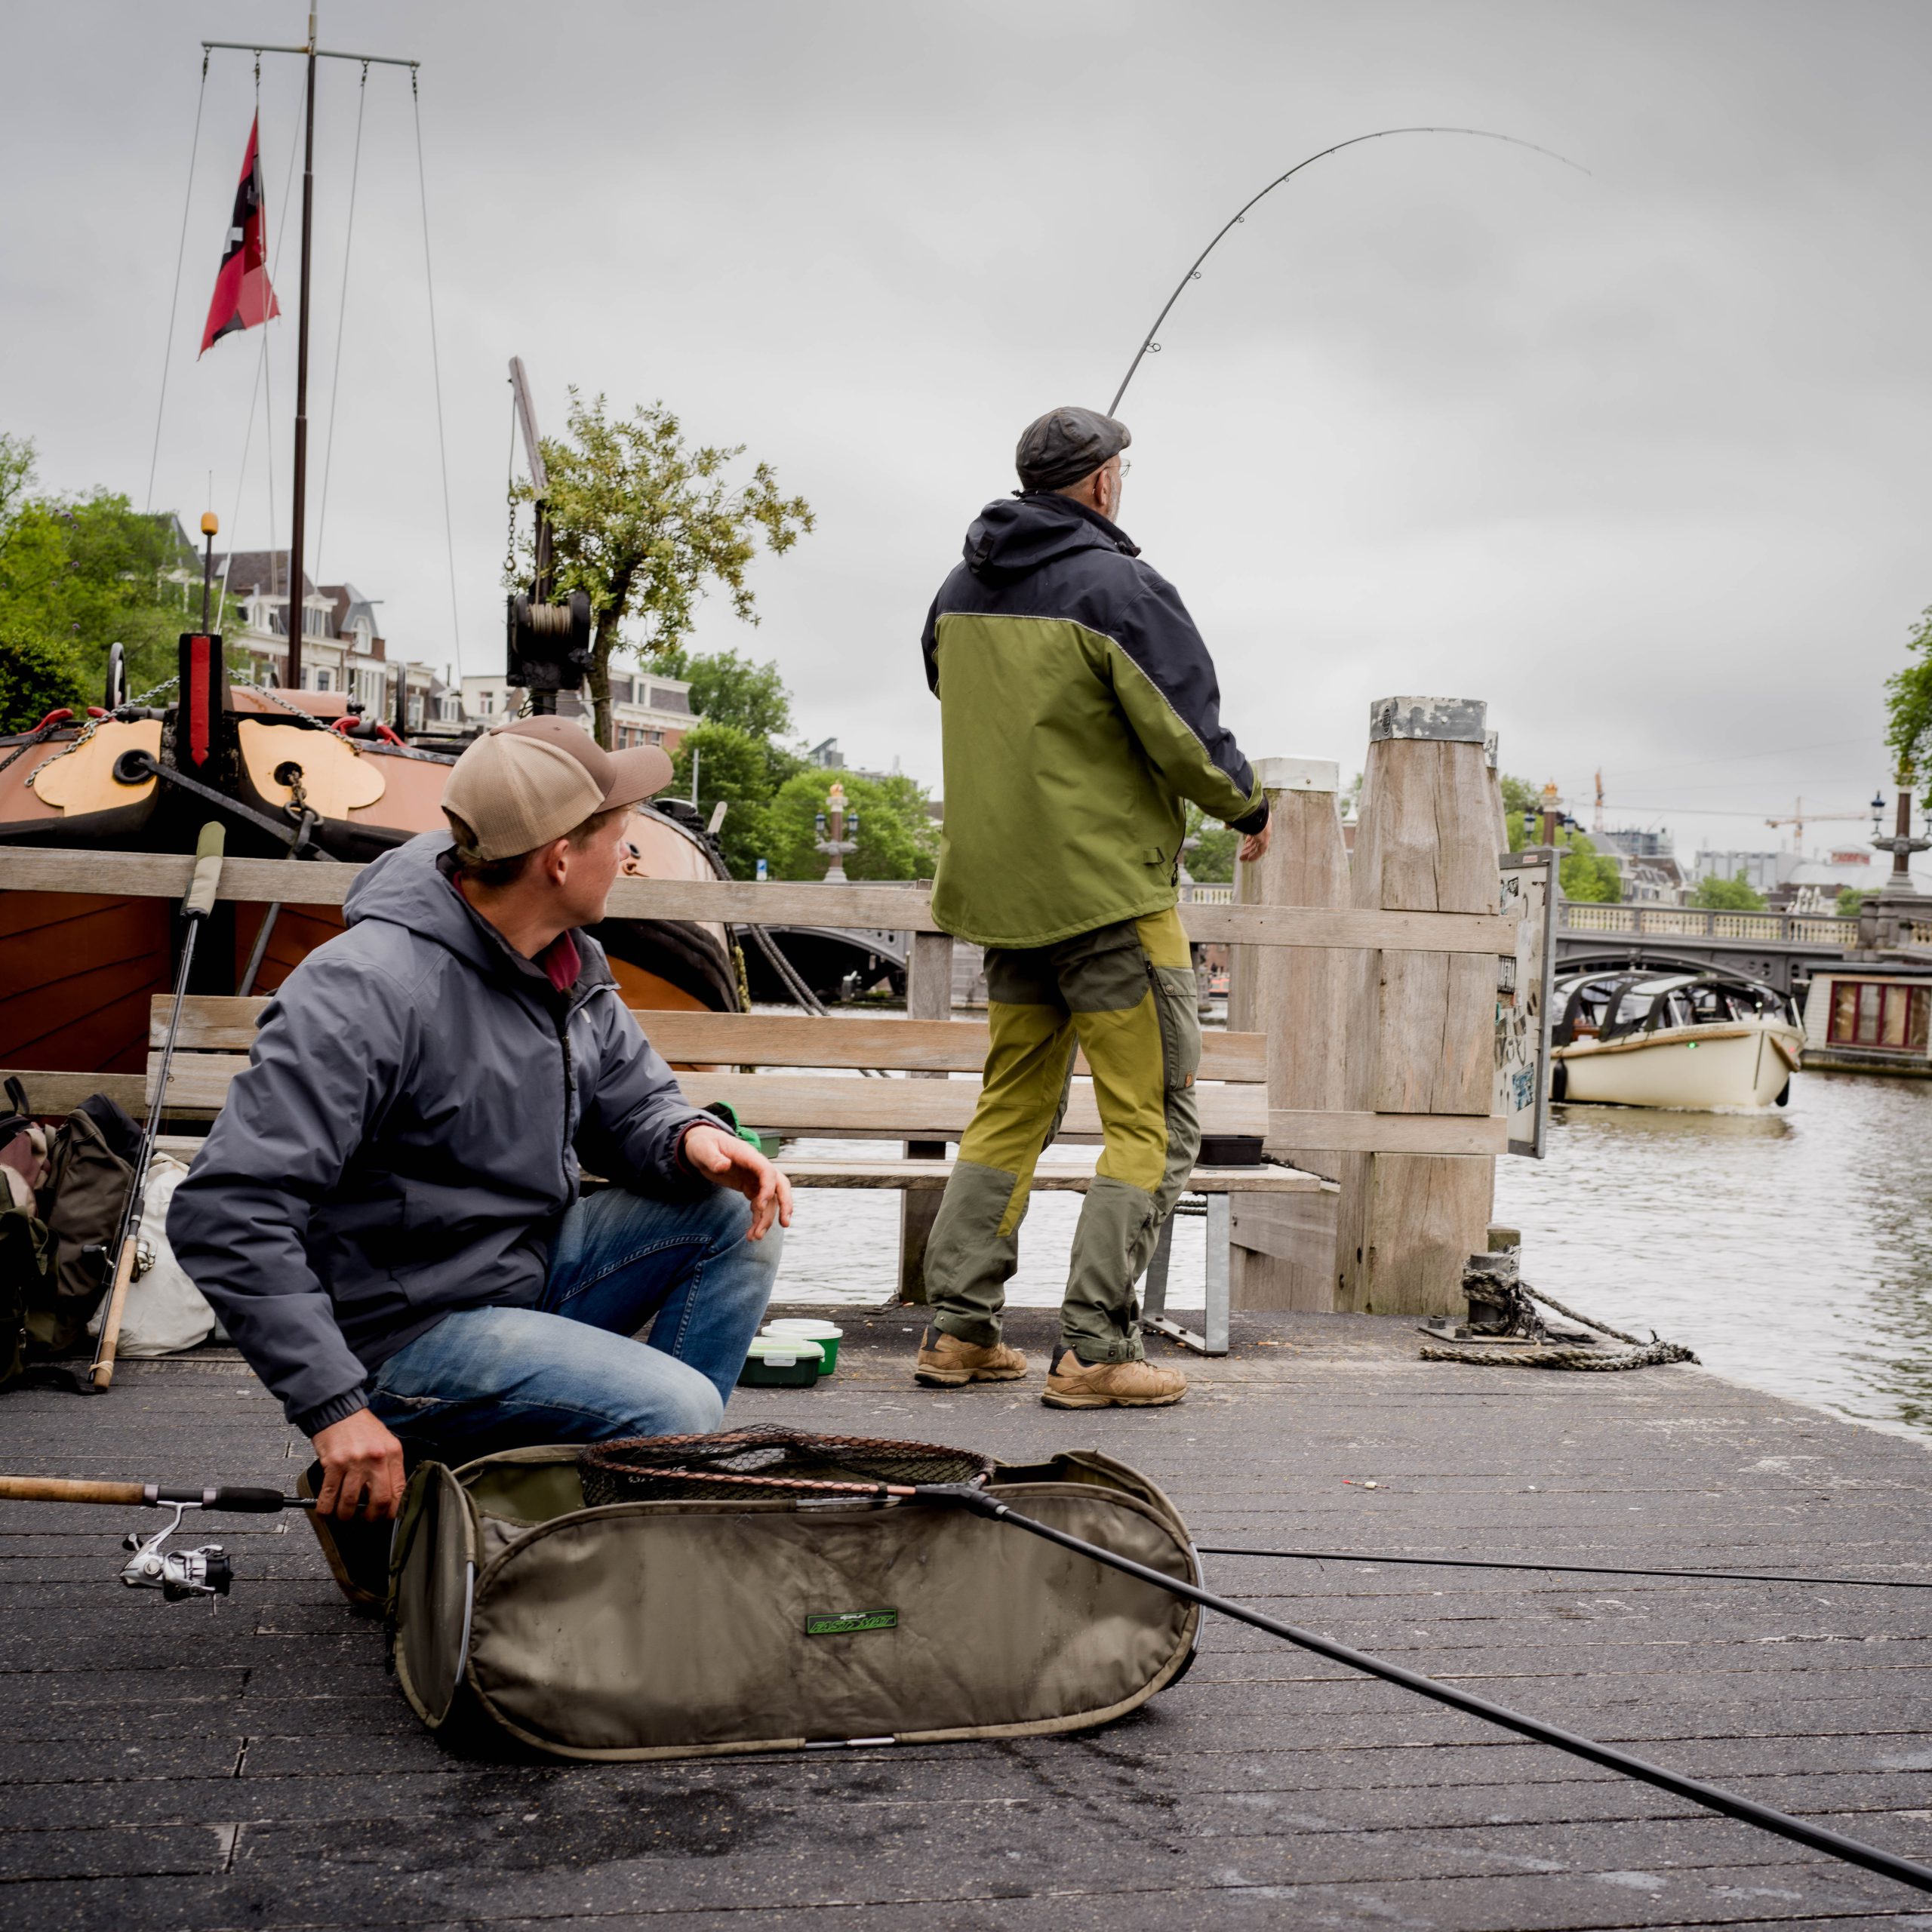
(361, 1459)
(721, 1157)
(1255, 843)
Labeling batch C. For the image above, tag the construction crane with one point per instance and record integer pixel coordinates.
(1800, 818)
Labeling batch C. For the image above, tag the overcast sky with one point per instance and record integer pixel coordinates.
(1638, 456)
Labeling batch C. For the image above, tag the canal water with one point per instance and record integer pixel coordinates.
(1792, 1250)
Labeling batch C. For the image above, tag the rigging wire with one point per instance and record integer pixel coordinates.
(435, 366)
(261, 382)
(1149, 346)
(174, 301)
(341, 317)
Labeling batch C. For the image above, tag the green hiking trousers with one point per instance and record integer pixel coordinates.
(1124, 995)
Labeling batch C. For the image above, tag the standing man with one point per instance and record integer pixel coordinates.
(388, 1216)
(1080, 713)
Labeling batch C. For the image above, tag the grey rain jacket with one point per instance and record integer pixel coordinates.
(406, 1135)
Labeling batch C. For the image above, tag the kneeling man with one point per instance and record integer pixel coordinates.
(387, 1215)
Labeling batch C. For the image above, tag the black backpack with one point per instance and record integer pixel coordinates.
(56, 1258)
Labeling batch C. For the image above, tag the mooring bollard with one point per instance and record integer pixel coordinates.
(1419, 1037)
(1282, 1255)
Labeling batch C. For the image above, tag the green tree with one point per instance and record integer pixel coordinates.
(743, 772)
(731, 690)
(1519, 797)
(1908, 702)
(1728, 895)
(1211, 861)
(1584, 872)
(897, 837)
(1850, 899)
(643, 523)
(76, 575)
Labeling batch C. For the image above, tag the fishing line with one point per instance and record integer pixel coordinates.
(1566, 1569)
(1149, 346)
(174, 301)
(650, 1467)
(341, 321)
(661, 1465)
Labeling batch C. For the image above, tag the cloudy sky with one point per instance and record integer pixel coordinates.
(1638, 455)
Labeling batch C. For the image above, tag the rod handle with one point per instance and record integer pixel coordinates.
(241, 1500)
(67, 1489)
(200, 900)
(103, 1371)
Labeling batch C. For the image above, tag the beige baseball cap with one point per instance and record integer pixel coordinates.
(523, 785)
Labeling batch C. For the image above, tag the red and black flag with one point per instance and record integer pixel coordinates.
(242, 295)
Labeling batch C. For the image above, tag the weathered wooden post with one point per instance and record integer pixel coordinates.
(1421, 1032)
(1284, 1244)
(928, 996)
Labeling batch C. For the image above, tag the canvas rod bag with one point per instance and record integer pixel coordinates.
(672, 1629)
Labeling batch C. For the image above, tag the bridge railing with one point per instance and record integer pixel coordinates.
(1823, 929)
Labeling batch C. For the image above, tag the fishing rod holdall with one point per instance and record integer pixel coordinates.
(657, 1599)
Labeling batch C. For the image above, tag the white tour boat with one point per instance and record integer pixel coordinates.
(1633, 1037)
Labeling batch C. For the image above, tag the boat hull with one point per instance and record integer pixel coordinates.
(77, 971)
(1741, 1065)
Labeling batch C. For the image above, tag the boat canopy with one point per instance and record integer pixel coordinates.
(1613, 1005)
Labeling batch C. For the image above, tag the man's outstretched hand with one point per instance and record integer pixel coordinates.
(361, 1459)
(721, 1157)
(1255, 843)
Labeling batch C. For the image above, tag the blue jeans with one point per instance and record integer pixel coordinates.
(569, 1369)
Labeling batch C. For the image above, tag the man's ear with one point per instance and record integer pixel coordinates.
(555, 862)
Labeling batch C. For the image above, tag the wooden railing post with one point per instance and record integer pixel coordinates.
(928, 996)
(1421, 1033)
(1282, 1255)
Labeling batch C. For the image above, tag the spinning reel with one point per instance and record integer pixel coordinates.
(176, 1574)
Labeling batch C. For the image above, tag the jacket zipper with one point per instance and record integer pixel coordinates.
(569, 1090)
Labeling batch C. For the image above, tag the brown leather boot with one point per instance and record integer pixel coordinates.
(946, 1362)
(1074, 1384)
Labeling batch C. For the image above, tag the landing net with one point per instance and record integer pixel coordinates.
(766, 1463)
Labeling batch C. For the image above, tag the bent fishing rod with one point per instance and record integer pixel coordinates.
(206, 1572)
(1149, 346)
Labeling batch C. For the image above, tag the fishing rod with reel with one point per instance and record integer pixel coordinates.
(668, 1464)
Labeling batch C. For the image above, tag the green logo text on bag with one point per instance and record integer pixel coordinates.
(843, 1622)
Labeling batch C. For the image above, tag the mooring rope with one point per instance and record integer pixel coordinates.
(1653, 1354)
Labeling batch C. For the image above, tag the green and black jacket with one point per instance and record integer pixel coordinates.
(1080, 713)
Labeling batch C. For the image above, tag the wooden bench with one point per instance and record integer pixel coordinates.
(803, 1078)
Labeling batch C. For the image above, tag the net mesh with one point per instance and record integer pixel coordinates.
(762, 1462)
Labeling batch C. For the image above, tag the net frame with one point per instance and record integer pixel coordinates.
(769, 1462)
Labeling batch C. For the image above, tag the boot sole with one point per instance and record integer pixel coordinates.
(957, 1378)
(1057, 1401)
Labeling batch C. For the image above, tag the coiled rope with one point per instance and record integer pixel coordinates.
(1653, 1354)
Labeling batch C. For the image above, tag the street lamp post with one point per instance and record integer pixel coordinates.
(1899, 904)
(838, 844)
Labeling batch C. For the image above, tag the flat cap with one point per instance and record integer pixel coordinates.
(1065, 445)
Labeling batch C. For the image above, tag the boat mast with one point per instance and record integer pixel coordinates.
(311, 50)
(297, 614)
